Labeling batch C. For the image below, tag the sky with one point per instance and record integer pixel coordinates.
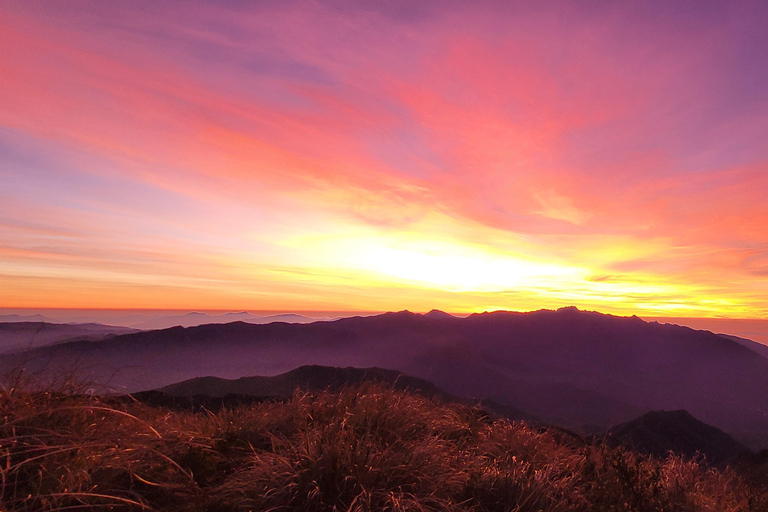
(372, 156)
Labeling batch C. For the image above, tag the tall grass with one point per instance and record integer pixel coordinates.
(364, 448)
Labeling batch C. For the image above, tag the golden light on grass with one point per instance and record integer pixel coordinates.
(363, 448)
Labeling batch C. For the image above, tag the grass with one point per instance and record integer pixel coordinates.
(364, 448)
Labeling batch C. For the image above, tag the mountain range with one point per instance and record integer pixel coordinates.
(161, 321)
(581, 370)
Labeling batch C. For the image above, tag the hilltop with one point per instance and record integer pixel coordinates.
(659, 433)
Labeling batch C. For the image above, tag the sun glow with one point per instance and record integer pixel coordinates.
(236, 165)
(457, 268)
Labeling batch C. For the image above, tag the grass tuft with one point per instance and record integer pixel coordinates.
(363, 448)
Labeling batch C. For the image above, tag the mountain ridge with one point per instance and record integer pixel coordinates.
(585, 370)
(326, 378)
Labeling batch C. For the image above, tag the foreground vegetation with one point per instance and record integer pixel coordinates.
(365, 448)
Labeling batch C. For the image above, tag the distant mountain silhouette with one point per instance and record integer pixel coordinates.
(581, 370)
(436, 313)
(16, 336)
(661, 432)
(195, 319)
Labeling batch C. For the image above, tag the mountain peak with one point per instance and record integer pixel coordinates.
(402, 313)
(436, 313)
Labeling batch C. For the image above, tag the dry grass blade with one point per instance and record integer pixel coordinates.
(106, 497)
(88, 408)
(360, 449)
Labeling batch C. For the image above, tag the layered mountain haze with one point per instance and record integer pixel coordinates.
(16, 318)
(194, 319)
(577, 369)
(755, 329)
(17, 336)
(152, 319)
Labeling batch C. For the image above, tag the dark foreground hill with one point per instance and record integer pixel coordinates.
(305, 378)
(656, 433)
(216, 392)
(581, 370)
(661, 432)
(361, 449)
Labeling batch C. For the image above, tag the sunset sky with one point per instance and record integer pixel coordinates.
(362, 155)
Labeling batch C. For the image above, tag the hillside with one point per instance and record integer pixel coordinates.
(661, 432)
(306, 378)
(581, 370)
(311, 378)
(364, 448)
(752, 345)
(656, 433)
